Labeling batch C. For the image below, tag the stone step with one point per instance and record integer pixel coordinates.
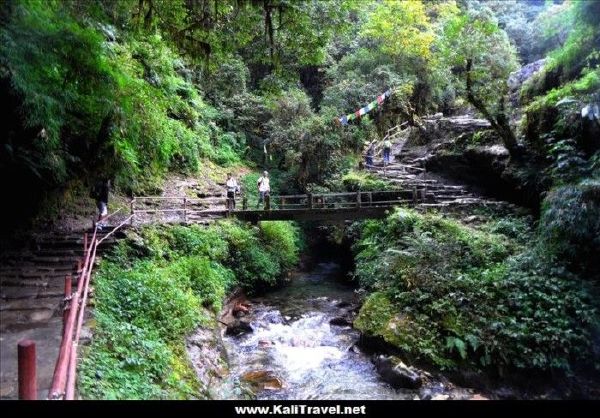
(19, 292)
(32, 269)
(41, 281)
(29, 317)
(31, 304)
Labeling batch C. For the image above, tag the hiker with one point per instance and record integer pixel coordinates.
(100, 194)
(232, 189)
(264, 188)
(369, 155)
(387, 148)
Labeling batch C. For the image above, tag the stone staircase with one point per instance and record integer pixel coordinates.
(431, 190)
(32, 281)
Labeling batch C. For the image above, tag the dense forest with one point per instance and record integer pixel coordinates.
(140, 91)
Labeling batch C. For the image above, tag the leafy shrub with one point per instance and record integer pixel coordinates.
(252, 263)
(360, 180)
(196, 240)
(151, 291)
(456, 296)
(570, 226)
(148, 297)
(282, 240)
(208, 279)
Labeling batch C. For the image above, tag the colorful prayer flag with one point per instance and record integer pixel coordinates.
(364, 110)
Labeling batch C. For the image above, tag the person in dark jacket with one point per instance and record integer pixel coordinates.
(100, 194)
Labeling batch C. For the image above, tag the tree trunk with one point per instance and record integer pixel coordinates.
(500, 122)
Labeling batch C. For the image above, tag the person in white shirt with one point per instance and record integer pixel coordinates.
(232, 189)
(264, 188)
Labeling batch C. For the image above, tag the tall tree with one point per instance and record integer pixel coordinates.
(480, 57)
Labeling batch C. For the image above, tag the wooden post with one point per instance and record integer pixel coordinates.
(27, 372)
(358, 203)
(67, 307)
(282, 202)
(310, 201)
(245, 202)
(267, 201)
(185, 217)
(370, 199)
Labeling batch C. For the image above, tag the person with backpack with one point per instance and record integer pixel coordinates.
(369, 155)
(232, 189)
(264, 189)
(100, 193)
(387, 149)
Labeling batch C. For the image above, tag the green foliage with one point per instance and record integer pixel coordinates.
(570, 226)
(133, 369)
(58, 74)
(282, 239)
(588, 83)
(474, 47)
(156, 287)
(402, 27)
(361, 180)
(253, 264)
(456, 296)
(87, 102)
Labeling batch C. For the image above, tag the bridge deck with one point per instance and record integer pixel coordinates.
(328, 206)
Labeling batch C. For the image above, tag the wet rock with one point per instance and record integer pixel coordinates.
(272, 317)
(440, 397)
(238, 327)
(393, 371)
(263, 380)
(208, 355)
(341, 321)
(241, 309)
(478, 397)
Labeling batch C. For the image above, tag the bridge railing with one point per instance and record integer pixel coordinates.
(185, 209)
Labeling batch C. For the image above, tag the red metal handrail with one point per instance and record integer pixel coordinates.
(65, 371)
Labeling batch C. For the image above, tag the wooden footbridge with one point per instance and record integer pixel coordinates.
(302, 207)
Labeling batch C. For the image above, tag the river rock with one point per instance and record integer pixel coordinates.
(263, 380)
(341, 321)
(238, 327)
(393, 371)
